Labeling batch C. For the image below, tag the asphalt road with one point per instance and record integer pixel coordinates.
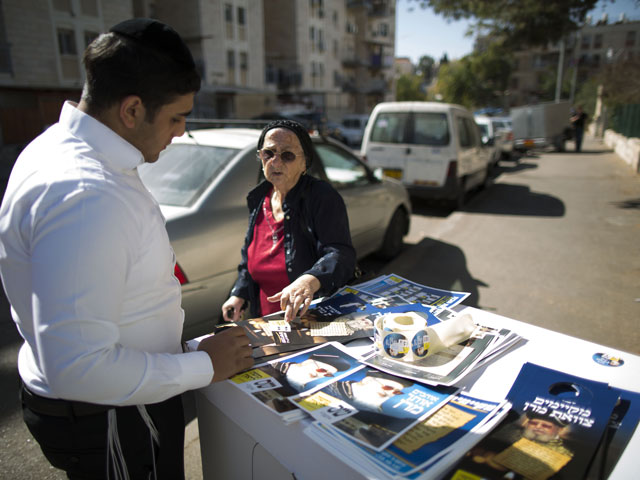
(553, 242)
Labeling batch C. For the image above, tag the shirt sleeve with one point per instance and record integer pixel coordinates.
(81, 251)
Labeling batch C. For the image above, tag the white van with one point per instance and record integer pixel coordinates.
(435, 149)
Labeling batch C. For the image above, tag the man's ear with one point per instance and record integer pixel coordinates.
(132, 111)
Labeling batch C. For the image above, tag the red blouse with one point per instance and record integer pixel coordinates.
(266, 262)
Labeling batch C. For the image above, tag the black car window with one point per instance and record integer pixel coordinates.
(183, 172)
(342, 169)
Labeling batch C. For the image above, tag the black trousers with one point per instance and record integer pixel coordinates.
(78, 444)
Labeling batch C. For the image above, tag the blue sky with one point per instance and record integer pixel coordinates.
(421, 32)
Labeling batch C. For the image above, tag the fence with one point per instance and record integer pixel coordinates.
(626, 120)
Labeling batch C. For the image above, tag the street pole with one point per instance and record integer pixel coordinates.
(560, 71)
(576, 64)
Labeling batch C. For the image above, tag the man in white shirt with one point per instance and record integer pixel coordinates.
(88, 269)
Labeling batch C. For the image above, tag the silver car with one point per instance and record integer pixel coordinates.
(201, 182)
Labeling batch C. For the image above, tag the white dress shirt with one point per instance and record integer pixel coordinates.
(88, 269)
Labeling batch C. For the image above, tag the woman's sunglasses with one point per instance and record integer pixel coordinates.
(265, 155)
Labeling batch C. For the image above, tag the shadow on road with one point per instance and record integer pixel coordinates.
(513, 199)
(632, 203)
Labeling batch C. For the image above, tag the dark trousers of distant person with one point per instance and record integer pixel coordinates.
(77, 442)
(578, 132)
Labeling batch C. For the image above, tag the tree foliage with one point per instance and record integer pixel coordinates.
(477, 80)
(409, 88)
(517, 22)
(425, 67)
(620, 82)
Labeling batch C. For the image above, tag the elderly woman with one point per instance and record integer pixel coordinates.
(298, 243)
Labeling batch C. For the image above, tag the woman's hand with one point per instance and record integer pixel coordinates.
(295, 298)
(232, 309)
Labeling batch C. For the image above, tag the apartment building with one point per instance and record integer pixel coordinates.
(336, 58)
(329, 56)
(585, 53)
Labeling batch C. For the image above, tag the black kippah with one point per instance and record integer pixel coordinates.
(157, 36)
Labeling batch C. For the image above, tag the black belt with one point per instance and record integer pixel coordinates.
(59, 408)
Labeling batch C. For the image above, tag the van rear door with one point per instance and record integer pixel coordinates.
(412, 146)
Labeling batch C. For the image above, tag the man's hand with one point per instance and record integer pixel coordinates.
(230, 352)
(295, 298)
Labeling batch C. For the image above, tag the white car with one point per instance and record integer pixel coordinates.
(353, 128)
(201, 182)
(492, 136)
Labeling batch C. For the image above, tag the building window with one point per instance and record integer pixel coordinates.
(320, 40)
(62, 6)
(5, 48)
(231, 67)
(383, 29)
(89, 37)
(66, 42)
(228, 20)
(597, 41)
(89, 8)
(586, 42)
(244, 67)
(68, 54)
(242, 24)
(312, 38)
(630, 40)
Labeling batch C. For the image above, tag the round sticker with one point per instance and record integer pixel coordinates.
(607, 360)
(420, 344)
(396, 345)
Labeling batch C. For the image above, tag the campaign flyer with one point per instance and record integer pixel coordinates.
(372, 407)
(554, 427)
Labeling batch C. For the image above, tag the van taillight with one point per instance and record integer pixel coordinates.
(453, 168)
(182, 278)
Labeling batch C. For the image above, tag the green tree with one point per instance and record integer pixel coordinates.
(410, 88)
(518, 24)
(477, 80)
(425, 68)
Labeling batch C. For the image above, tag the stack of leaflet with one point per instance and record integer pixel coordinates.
(271, 384)
(448, 366)
(430, 447)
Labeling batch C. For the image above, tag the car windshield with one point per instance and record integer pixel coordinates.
(183, 172)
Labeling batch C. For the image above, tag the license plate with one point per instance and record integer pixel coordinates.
(529, 143)
(393, 173)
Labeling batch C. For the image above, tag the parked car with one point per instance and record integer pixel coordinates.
(433, 148)
(504, 125)
(335, 131)
(353, 128)
(492, 137)
(201, 181)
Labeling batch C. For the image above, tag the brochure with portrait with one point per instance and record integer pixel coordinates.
(554, 427)
(462, 420)
(272, 383)
(372, 407)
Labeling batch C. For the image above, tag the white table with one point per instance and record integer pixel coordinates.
(240, 439)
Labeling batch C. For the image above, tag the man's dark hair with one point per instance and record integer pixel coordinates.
(140, 57)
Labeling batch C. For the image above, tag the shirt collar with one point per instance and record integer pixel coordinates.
(113, 149)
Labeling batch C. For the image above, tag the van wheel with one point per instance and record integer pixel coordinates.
(392, 243)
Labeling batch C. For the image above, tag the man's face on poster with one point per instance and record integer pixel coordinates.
(371, 392)
(541, 430)
(299, 374)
